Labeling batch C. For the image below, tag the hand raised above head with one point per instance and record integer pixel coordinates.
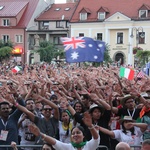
(87, 119)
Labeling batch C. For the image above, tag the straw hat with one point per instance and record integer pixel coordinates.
(126, 118)
(93, 106)
(126, 97)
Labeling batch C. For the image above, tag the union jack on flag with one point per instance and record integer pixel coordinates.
(73, 42)
(81, 49)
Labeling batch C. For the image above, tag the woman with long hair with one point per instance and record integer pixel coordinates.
(77, 137)
(65, 127)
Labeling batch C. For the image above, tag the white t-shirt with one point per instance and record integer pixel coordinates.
(90, 145)
(27, 138)
(128, 138)
(62, 133)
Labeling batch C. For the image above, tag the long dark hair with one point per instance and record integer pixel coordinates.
(82, 130)
(78, 102)
(125, 131)
(67, 132)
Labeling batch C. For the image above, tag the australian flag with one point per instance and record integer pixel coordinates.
(83, 49)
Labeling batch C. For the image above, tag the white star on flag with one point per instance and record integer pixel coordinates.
(74, 55)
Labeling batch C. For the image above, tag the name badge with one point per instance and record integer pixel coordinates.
(3, 135)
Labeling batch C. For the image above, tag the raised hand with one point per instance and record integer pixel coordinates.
(87, 119)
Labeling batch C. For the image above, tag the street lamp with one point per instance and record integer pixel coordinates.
(137, 34)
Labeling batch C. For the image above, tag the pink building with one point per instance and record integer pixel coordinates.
(16, 16)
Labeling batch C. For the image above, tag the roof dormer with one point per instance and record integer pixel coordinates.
(143, 11)
(101, 13)
(84, 13)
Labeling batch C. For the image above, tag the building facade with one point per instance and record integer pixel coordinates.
(123, 25)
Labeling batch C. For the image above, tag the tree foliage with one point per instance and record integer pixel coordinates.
(5, 50)
(143, 57)
(48, 51)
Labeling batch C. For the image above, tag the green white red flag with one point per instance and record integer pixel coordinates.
(127, 73)
(16, 69)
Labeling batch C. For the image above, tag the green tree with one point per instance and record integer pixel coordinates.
(5, 50)
(143, 57)
(48, 51)
(107, 57)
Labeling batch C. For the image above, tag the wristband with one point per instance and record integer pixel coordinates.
(44, 136)
(16, 104)
(90, 128)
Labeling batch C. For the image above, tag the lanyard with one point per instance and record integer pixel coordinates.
(5, 124)
(130, 113)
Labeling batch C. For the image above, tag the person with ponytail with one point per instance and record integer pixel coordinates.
(65, 127)
(78, 141)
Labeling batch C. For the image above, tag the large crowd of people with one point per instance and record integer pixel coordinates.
(71, 107)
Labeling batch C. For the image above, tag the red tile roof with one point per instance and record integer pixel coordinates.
(52, 14)
(13, 7)
(6, 11)
(127, 7)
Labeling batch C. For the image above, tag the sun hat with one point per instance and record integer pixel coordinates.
(145, 95)
(126, 118)
(126, 97)
(93, 106)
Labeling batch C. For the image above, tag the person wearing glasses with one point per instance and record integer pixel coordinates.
(78, 141)
(47, 124)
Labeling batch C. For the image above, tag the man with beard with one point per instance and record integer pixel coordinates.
(8, 124)
(27, 138)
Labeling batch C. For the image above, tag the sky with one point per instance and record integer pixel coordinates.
(60, 1)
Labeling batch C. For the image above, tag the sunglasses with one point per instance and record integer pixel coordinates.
(47, 109)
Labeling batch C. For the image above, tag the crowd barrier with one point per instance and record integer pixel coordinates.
(102, 147)
(38, 147)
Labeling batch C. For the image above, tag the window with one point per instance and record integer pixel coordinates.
(56, 40)
(67, 24)
(5, 38)
(45, 24)
(1, 7)
(59, 24)
(119, 38)
(81, 34)
(19, 39)
(101, 15)
(141, 38)
(57, 9)
(99, 36)
(83, 16)
(143, 13)
(6, 22)
(67, 8)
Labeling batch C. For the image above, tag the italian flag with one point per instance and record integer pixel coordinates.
(127, 73)
(16, 69)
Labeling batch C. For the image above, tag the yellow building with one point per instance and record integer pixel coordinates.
(122, 24)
